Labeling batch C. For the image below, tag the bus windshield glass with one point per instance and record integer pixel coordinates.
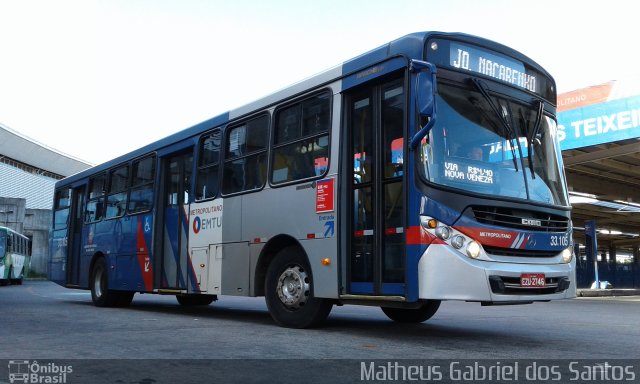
(490, 145)
(3, 243)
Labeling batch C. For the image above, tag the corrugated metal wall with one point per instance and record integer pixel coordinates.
(36, 189)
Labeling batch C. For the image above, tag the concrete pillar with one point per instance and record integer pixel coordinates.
(36, 226)
(12, 212)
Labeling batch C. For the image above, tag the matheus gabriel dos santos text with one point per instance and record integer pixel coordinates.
(498, 371)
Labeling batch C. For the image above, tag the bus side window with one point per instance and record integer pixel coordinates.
(141, 195)
(208, 164)
(117, 199)
(61, 208)
(95, 205)
(245, 164)
(301, 140)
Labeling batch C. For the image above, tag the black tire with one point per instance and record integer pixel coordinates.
(190, 300)
(289, 291)
(409, 315)
(4, 282)
(101, 295)
(14, 281)
(9, 280)
(124, 298)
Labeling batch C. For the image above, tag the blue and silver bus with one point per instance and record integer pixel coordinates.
(15, 256)
(427, 169)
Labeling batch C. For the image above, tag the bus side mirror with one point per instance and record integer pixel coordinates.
(425, 86)
(425, 94)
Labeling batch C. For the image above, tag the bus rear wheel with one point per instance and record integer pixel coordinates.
(413, 315)
(189, 300)
(289, 291)
(14, 281)
(101, 295)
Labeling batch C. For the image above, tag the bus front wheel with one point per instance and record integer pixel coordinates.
(289, 291)
(413, 315)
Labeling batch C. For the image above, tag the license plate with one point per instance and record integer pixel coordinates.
(532, 280)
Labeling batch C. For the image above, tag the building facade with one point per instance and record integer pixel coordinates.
(28, 173)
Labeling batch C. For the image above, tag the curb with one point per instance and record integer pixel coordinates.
(607, 292)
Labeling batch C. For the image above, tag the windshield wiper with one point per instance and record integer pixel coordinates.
(508, 131)
(532, 137)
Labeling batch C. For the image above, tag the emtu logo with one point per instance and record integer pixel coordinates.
(197, 224)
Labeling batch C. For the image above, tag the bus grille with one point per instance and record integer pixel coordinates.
(511, 286)
(497, 251)
(513, 218)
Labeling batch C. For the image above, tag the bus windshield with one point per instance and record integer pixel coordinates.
(486, 144)
(3, 243)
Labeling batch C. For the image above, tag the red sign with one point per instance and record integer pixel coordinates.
(324, 196)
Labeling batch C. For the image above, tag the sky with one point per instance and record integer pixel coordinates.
(96, 79)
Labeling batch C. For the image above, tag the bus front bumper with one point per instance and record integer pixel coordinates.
(445, 274)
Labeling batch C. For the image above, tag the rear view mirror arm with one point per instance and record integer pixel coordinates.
(425, 91)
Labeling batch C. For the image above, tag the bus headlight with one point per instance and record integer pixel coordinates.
(452, 237)
(457, 241)
(473, 249)
(443, 232)
(567, 255)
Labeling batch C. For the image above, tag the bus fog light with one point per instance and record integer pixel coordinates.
(567, 255)
(443, 232)
(457, 241)
(473, 250)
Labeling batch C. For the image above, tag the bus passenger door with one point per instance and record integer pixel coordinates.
(76, 221)
(174, 223)
(375, 126)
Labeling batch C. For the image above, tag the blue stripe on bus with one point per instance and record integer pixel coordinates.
(393, 289)
(361, 288)
(387, 288)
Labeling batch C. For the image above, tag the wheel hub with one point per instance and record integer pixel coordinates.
(97, 284)
(293, 287)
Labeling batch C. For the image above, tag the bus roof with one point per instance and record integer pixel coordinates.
(408, 46)
(9, 230)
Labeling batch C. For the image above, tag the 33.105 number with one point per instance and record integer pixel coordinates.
(562, 241)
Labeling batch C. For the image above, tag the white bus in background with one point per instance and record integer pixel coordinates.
(15, 256)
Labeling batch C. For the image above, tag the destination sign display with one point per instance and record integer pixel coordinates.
(458, 171)
(500, 64)
(475, 59)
